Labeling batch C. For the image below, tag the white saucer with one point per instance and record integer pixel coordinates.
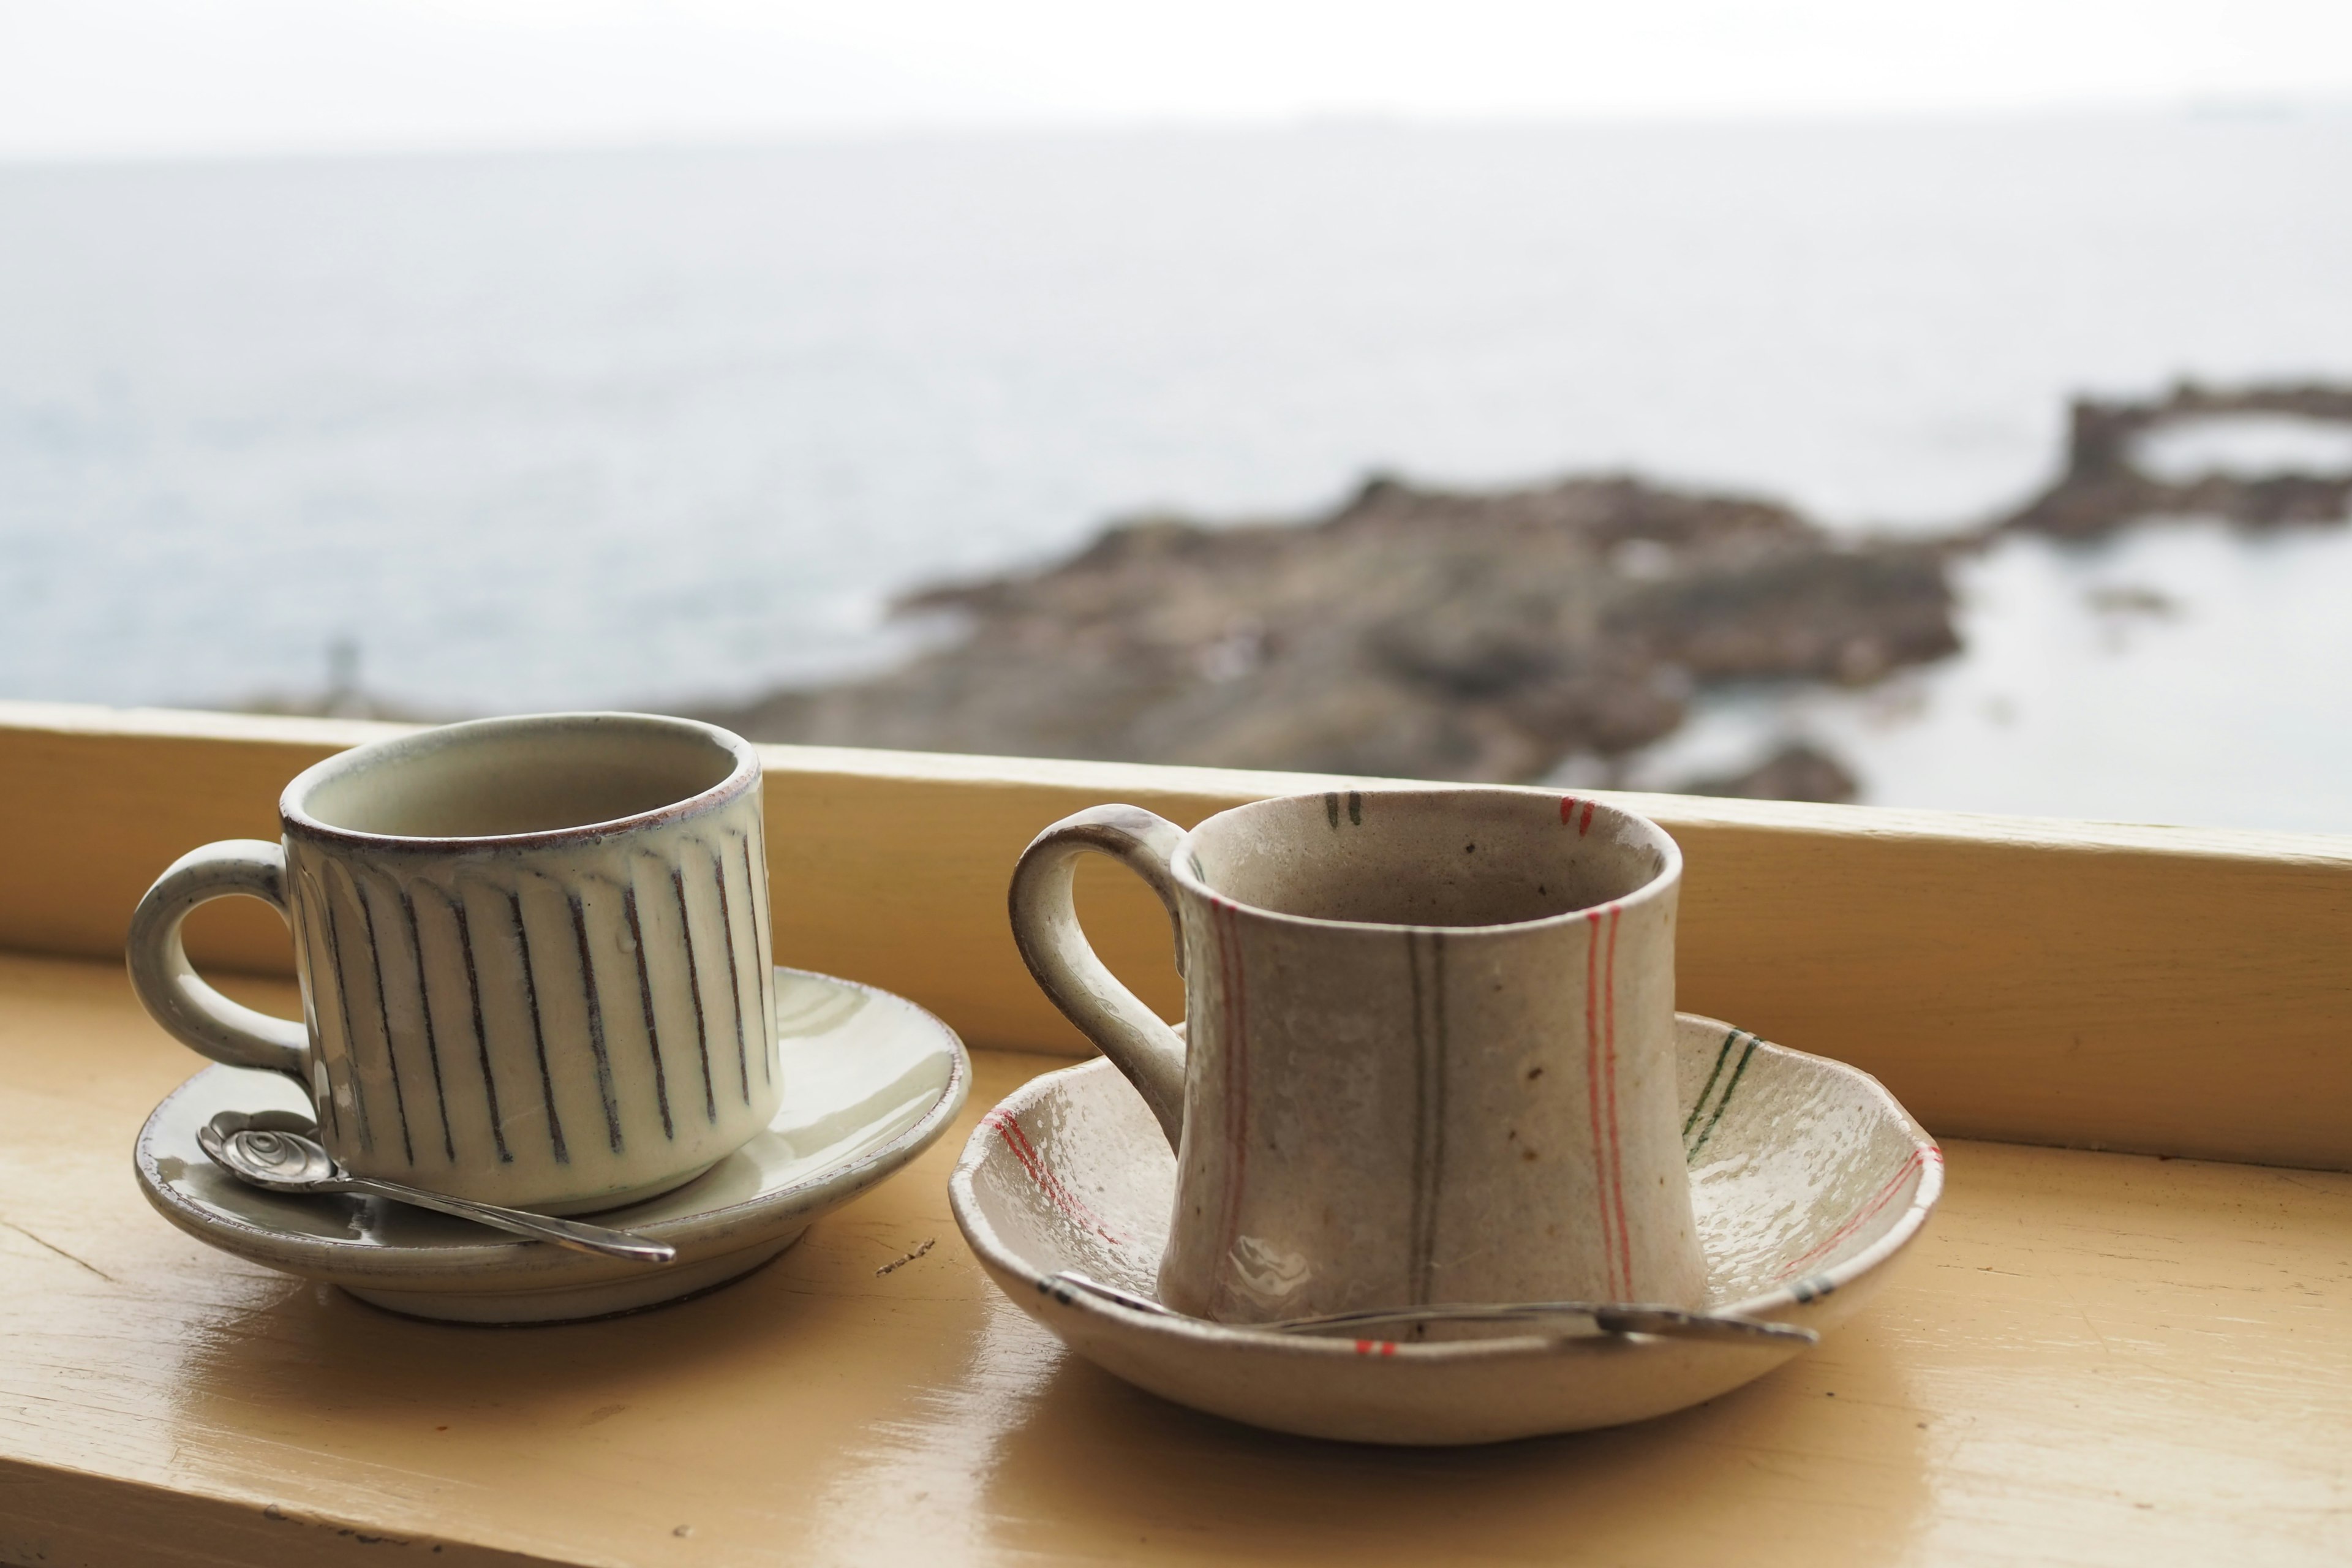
(870, 1080)
(1806, 1176)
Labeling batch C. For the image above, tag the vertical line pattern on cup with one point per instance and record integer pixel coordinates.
(645, 996)
(1593, 1052)
(734, 971)
(554, 956)
(343, 1007)
(481, 1037)
(1234, 1048)
(694, 984)
(1426, 949)
(424, 1007)
(384, 1015)
(765, 967)
(538, 1030)
(1616, 1128)
(321, 971)
(595, 1025)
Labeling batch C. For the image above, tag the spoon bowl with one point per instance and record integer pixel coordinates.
(283, 1161)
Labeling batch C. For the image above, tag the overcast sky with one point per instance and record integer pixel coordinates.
(80, 78)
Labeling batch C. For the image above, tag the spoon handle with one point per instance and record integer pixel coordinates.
(571, 1232)
(1669, 1323)
(1609, 1318)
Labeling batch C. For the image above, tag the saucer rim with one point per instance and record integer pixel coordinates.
(699, 1234)
(1799, 1299)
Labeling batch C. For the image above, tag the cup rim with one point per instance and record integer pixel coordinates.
(294, 817)
(1183, 866)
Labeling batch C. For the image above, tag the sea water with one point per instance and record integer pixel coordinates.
(648, 427)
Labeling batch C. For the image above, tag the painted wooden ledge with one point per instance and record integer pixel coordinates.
(2169, 989)
(2091, 1359)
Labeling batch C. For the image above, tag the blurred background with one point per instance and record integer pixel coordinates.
(1925, 405)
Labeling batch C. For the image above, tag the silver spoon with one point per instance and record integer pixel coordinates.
(289, 1161)
(1669, 1323)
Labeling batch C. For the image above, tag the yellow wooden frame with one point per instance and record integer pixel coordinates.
(2165, 990)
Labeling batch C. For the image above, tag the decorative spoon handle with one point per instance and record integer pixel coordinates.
(571, 1232)
(1609, 1317)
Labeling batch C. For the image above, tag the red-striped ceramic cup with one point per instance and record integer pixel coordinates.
(534, 956)
(1428, 1052)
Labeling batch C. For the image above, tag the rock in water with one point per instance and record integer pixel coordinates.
(1414, 633)
(1797, 771)
(2105, 487)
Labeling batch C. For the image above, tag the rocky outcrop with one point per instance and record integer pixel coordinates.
(1433, 633)
(2105, 488)
(1411, 632)
(1797, 771)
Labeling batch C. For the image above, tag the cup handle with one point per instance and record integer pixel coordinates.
(169, 986)
(1045, 928)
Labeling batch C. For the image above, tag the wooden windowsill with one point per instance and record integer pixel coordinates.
(2089, 1357)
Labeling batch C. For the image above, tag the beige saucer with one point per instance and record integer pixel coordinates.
(870, 1080)
(1807, 1179)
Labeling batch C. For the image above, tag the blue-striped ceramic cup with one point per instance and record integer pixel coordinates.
(534, 956)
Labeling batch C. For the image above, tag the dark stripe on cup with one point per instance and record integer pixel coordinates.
(1425, 963)
(538, 1032)
(383, 1018)
(314, 962)
(343, 1007)
(694, 984)
(734, 974)
(432, 1041)
(645, 996)
(597, 1026)
(482, 1038)
(765, 969)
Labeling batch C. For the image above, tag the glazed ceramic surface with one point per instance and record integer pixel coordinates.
(1807, 1179)
(533, 952)
(1428, 1053)
(871, 1080)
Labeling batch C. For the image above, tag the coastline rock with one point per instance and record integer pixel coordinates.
(2103, 487)
(1799, 771)
(1411, 632)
